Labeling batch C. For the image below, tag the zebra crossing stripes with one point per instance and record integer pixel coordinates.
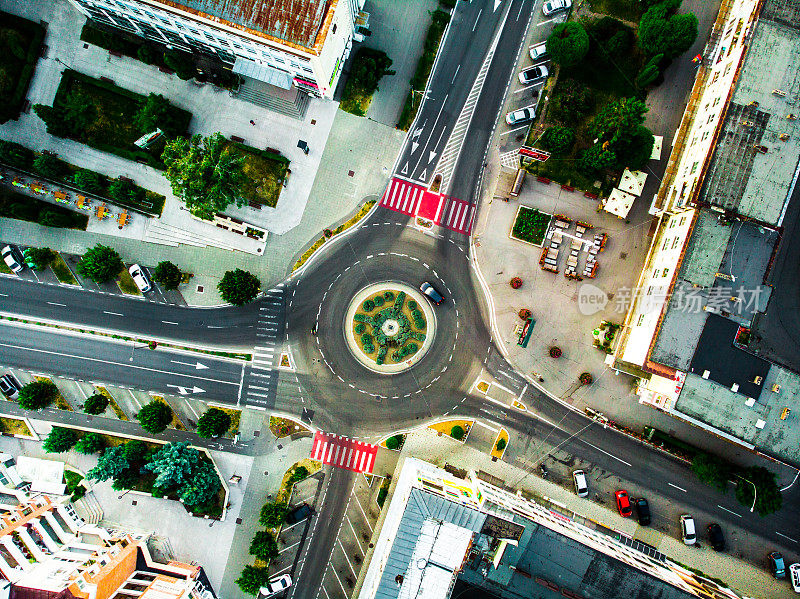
(343, 452)
(262, 377)
(457, 216)
(402, 196)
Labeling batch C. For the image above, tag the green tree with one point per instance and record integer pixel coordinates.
(173, 465)
(393, 442)
(38, 258)
(647, 75)
(239, 287)
(37, 395)
(201, 487)
(95, 404)
(572, 101)
(298, 474)
(181, 63)
(146, 54)
(213, 423)
(635, 151)
(712, 470)
(501, 444)
(252, 579)
(622, 140)
(125, 192)
(768, 495)
(90, 443)
(264, 546)
(60, 440)
(156, 112)
(49, 166)
(457, 432)
(568, 44)
(168, 275)
(206, 173)
(662, 30)
(557, 139)
(70, 116)
(89, 181)
(12, 42)
(135, 452)
(155, 416)
(368, 67)
(617, 120)
(14, 154)
(100, 264)
(596, 159)
(272, 514)
(111, 464)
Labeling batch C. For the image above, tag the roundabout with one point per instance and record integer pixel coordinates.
(389, 327)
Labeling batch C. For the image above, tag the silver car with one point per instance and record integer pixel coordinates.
(581, 488)
(12, 258)
(533, 75)
(523, 115)
(554, 6)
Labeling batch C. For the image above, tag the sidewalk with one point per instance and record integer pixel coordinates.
(740, 575)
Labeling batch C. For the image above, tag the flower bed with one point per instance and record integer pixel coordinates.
(388, 327)
(530, 225)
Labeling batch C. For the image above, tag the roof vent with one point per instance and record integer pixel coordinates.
(735, 387)
(399, 579)
(706, 374)
(779, 92)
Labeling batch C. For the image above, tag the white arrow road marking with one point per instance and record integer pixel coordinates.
(414, 146)
(417, 132)
(197, 365)
(185, 391)
(496, 4)
(431, 156)
(404, 170)
(424, 175)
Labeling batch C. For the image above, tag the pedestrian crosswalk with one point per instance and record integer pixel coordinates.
(343, 452)
(415, 200)
(262, 379)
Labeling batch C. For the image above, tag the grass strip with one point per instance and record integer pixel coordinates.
(365, 208)
(126, 283)
(111, 402)
(5, 269)
(236, 356)
(14, 426)
(62, 271)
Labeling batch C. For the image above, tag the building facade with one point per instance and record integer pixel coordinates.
(285, 43)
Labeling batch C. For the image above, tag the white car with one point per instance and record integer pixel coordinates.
(275, 586)
(523, 115)
(12, 258)
(532, 75)
(538, 51)
(554, 6)
(794, 577)
(581, 488)
(688, 532)
(138, 276)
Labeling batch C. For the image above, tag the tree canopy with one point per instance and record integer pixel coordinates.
(205, 173)
(37, 395)
(90, 443)
(173, 465)
(100, 264)
(712, 470)
(272, 514)
(95, 404)
(264, 546)
(88, 181)
(622, 140)
(202, 485)
(155, 416)
(69, 116)
(167, 274)
(156, 113)
(38, 258)
(239, 287)
(49, 166)
(213, 423)
(60, 440)
(557, 139)
(568, 44)
(252, 579)
(663, 31)
(111, 464)
(768, 497)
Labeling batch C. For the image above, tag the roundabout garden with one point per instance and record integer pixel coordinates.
(389, 327)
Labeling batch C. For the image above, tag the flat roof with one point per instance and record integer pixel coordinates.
(754, 162)
(294, 21)
(725, 363)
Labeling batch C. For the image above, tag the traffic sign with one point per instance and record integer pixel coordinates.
(533, 153)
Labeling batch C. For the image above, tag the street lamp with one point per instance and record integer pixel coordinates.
(754, 491)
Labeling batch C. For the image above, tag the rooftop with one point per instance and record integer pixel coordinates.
(294, 21)
(753, 166)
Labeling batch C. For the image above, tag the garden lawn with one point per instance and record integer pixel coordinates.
(16, 72)
(381, 304)
(14, 426)
(530, 225)
(264, 174)
(114, 130)
(62, 271)
(625, 10)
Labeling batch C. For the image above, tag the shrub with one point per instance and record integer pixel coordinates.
(100, 264)
(412, 304)
(90, 443)
(571, 102)
(378, 300)
(298, 474)
(272, 514)
(146, 54)
(95, 404)
(393, 442)
(586, 378)
(516, 283)
(419, 323)
(366, 338)
(360, 328)
(457, 432)
(524, 314)
(555, 352)
(60, 440)
(39, 258)
(15, 154)
(558, 139)
(49, 166)
(501, 444)
(388, 296)
(168, 274)
(124, 191)
(88, 181)
(181, 63)
(369, 348)
(37, 395)
(368, 305)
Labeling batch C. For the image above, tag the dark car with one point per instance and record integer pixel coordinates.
(715, 537)
(642, 511)
(298, 514)
(776, 565)
(10, 386)
(533, 74)
(623, 503)
(430, 291)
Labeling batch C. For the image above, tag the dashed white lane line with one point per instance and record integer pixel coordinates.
(112, 313)
(169, 322)
(729, 511)
(57, 304)
(677, 487)
(785, 537)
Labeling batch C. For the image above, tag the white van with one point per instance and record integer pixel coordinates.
(688, 532)
(538, 51)
(581, 488)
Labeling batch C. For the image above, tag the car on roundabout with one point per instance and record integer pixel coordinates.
(431, 293)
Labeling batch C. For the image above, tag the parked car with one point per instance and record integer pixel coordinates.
(523, 115)
(10, 386)
(276, 585)
(533, 74)
(430, 291)
(13, 258)
(138, 276)
(688, 531)
(538, 51)
(794, 576)
(642, 511)
(623, 503)
(776, 565)
(715, 537)
(553, 6)
(581, 488)
(298, 514)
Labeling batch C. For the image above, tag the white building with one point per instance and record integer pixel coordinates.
(285, 43)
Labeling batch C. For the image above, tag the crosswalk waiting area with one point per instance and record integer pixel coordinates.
(415, 200)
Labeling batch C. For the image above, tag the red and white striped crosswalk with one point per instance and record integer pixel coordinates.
(415, 200)
(344, 452)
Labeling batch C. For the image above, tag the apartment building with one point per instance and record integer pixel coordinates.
(442, 530)
(288, 44)
(47, 550)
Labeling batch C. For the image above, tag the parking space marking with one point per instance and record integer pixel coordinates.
(355, 535)
(289, 547)
(344, 551)
(363, 513)
(340, 581)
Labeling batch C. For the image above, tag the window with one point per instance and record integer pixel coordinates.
(640, 321)
(694, 168)
(675, 242)
(672, 223)
(666, 272)
(704, 136)
(683, 220)
(333, 29)
(716, 101)
(666, 244)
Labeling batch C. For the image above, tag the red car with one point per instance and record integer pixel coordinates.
(623, 503)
